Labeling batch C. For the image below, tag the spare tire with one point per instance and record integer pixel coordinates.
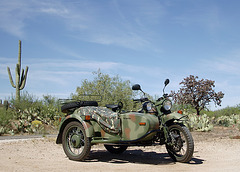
(73, 105)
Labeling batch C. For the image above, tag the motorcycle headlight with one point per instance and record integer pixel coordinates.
(147, 106)
(167, 105)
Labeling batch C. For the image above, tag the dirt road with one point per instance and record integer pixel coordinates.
(214, 151)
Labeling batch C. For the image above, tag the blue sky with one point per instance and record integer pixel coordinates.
(144, 41)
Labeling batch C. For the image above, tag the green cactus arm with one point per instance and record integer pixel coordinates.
(10, 78)
(24, 78)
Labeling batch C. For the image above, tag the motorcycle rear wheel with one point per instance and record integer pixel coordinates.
(182, 145)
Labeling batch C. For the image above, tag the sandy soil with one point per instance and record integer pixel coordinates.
(214, 151)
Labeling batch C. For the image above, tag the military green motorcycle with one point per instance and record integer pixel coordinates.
(86, 124)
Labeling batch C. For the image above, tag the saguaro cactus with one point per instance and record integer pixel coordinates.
(20, 77)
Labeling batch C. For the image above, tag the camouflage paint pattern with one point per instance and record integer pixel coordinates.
(103, 136)
(173, 116)
(107, 119)
(105, 128)
(136, 125)
(131, 129)
(87, 125)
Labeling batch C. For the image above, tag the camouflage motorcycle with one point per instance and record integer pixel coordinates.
(86, 124)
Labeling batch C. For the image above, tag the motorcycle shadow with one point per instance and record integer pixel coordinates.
(131, 156)
(136, 156)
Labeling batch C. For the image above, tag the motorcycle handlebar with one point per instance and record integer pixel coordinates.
(141, 99)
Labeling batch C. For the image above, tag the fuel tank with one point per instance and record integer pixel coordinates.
(136, 125)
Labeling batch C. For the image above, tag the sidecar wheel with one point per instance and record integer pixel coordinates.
(116, 149)
(182, 145)
(76, 144)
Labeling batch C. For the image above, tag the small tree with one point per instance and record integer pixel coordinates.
(197, 93)
(111, 89)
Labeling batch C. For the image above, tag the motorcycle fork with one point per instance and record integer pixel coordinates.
(167, 135)
(168, 139)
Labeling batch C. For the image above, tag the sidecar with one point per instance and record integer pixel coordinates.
(88, 125)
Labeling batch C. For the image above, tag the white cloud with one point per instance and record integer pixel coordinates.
(67, 70)
(45, 76)
(86, 20)
(127, 40)
(226, 66)
(55, 11)
(14, 14)
(11, 20)
(199, 15)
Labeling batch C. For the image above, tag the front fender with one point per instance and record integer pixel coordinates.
(174, 117)
(74, 117)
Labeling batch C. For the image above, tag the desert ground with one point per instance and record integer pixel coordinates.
(218, 150)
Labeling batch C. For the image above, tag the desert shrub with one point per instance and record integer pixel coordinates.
(5, 118)
(27, 101)
(37, 127)
(199, 122)
(226, 121)
(26, 115)
(228, 111)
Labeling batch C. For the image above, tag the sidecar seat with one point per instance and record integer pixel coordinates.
(107, 119)
(70, 107)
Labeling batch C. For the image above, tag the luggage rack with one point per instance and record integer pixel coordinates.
(97, 98)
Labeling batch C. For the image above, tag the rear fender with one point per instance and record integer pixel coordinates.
(74, 117)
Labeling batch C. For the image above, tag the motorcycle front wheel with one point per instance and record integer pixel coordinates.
(181, 146)
(76, 144)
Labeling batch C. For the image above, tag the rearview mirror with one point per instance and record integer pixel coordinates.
(166, 82)
(136, 87)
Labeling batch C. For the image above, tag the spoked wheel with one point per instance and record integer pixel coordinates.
(116, 149)
(181, 146)
(75, 143)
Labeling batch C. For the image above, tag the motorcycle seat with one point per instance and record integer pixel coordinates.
(113, 107)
